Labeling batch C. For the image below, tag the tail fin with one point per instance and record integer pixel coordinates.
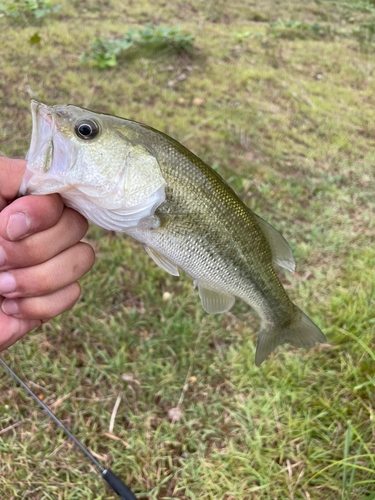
(301, 332)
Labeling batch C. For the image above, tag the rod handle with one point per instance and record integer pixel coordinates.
(118, 486)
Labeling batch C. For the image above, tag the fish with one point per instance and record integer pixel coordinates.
(128, 177)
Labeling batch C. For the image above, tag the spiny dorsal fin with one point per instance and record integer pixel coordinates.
(162, 261)
(214, 302)
(282, 254)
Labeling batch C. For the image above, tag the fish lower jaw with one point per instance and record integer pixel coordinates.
(65, 189)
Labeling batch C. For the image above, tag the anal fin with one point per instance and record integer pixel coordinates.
(162, 261)
(214, 302)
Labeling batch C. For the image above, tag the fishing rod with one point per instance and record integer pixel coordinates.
(114, 482)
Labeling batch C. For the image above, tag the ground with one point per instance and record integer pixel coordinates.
(279, 98)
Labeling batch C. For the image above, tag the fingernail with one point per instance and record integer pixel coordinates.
(18, 226)
(10, 307)
(2, 257)
(7, 283)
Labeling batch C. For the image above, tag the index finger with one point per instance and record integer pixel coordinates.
(11, 174)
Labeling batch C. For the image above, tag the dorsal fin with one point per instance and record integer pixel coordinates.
(282, 254)
(214, 302)
(162, 261)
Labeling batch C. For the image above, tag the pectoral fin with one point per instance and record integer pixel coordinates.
(162, 261)
(282, 254)
(214, 302)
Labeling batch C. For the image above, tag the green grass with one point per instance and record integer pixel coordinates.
(288, 120)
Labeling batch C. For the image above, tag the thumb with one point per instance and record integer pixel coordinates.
(11, 174)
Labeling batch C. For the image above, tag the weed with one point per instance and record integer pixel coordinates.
(362, 12)
(104, 52)
(35, 39)
(365, 34)
(259, 17)
(163, 37)
(35, 9)
(246, 34)
(293, 30)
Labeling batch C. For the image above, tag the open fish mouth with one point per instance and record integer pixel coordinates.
(50, 155)
(41, 137)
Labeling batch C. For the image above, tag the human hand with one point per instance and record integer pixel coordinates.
(41, 256)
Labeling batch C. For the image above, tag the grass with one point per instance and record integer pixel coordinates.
(288, 120)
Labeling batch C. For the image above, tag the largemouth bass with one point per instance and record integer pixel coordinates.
(126, 176)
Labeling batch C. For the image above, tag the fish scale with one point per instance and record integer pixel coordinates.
(230, 252)
(129, 177)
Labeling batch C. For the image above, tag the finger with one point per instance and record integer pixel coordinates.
(43, 279)
(29, 215)
(44, 307)
(11, 173)
(42, 246)
(12, 329)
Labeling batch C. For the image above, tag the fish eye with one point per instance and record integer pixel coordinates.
(87, 129)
